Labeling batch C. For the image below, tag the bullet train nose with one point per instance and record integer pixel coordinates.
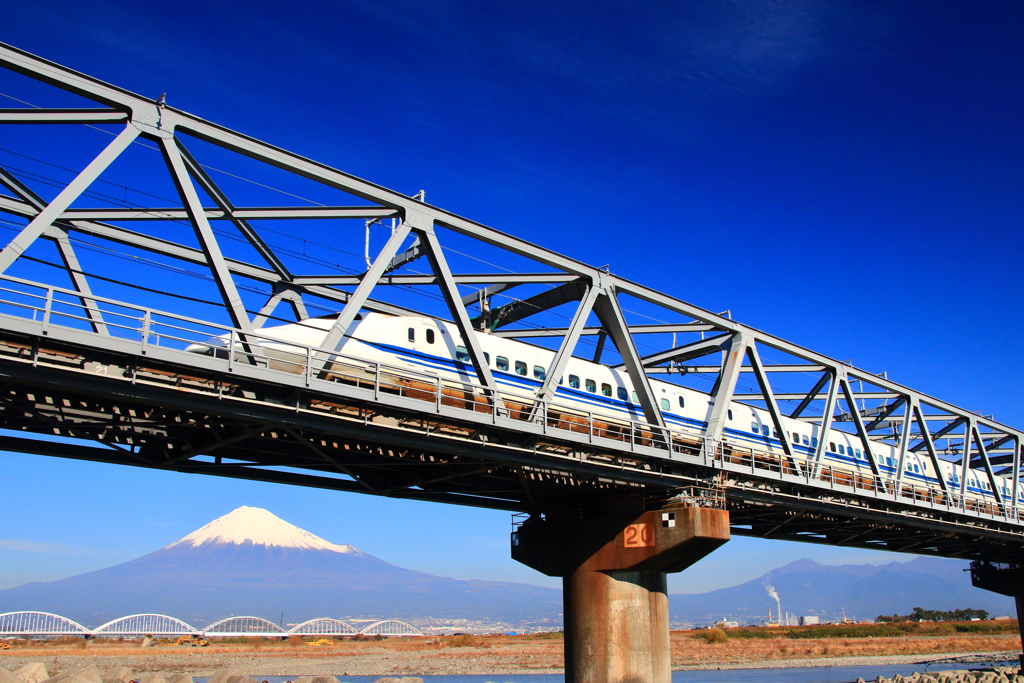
(208, 347)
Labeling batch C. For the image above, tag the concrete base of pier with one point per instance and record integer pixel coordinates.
(1005, 579)
(614, 561)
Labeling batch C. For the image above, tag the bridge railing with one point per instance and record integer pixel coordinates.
(51, 307)
(729, 456)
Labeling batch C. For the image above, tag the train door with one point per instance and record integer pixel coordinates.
(421, 337)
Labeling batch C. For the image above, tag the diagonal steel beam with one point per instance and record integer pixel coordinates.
(336, 336)
(64, 247)
(851, 401)
(886, 412)
(607, 309)
(987, 464)
(928, 443)
(486, 293)
(450, 290)
(965, 461)
(941, 433)
(769, 399)
(721, 396)
(602, 337)
(826, 417)
(207, 240)
(686, 352)
(547, 391)
(78, 279)
(38, 225)
(221, 200)
(518, 310)
(813, 394)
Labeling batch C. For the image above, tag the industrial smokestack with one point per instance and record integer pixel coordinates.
(772, 594)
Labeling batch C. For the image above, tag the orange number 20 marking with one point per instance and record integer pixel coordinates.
(638, 536)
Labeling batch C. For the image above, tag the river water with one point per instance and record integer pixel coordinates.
(823, 674)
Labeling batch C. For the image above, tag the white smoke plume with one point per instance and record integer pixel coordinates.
(772, 594)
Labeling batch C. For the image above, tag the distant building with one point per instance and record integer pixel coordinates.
(809, 621)
(727, 624)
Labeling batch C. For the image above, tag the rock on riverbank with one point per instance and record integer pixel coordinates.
(999, 674)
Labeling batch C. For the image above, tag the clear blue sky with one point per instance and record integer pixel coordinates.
(846, 175)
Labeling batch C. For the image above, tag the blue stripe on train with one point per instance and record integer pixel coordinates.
(633, 410)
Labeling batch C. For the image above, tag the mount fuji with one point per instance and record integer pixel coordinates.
(252, 562)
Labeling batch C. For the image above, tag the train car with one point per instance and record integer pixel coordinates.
(595, 394)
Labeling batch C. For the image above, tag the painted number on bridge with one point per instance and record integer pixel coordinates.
(639, 536)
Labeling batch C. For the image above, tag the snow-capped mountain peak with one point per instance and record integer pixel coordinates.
(258, 527)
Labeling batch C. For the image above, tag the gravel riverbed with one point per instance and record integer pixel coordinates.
(510, 658)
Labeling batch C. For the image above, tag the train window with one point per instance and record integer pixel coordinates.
(636, 399)
(412, 334)
(842, 450)
(462, 353)
(775, 434)
(574, 381)
(502, 363)
(606, 389)
(764, 430)
(539, 372)
(665, 405)
(682, 404)
(796, 438)
(430, 336)
(754, 428)
(858, 453)
(728, 412)
(487, 358)
(591, 386)
(814, 441)
(831, 446)
(623, 394)
(804, 438)
(521, 368)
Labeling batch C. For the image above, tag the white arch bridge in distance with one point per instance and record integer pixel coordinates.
(44, 624)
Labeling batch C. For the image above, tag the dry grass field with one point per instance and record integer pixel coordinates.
(512, 654)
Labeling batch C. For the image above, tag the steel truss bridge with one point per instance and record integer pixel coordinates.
(44, 624)
(179, 230)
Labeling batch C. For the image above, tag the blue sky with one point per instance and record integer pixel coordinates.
(846, 175)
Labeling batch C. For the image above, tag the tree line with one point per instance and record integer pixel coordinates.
(920, 614)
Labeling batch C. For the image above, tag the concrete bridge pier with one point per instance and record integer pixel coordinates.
(613, 560)
(1005, 579)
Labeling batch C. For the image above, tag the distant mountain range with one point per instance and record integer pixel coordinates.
(250, 562)
(865, 591)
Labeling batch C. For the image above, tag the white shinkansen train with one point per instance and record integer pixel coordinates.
(434, 347)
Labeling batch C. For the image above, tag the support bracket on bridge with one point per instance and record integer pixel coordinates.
(1005, 579)
(613, 563)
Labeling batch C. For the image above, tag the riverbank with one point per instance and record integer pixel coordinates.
(496, 655)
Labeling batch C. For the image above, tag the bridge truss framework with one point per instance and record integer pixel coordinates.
(110, 371)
